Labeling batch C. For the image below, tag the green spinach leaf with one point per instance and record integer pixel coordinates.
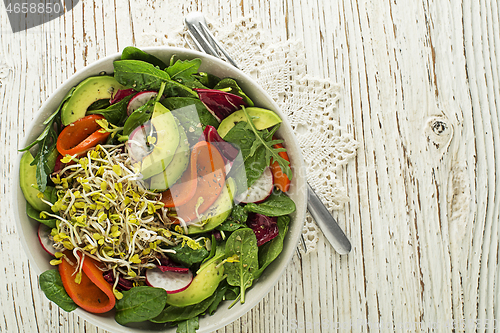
(254, 158)
(219, 297)
(140, 304)
(188, 326)
(206, 79)
(182, 72)
(242, 244)
(115, 113)
(138, 117)
(270, 251)
(35, 215)
(174, 313)
(278, 204)
(139, 75)
(231, 86)
(187, 256)
(47, 143)
(236, 220)
(51, 284)
(133, 53)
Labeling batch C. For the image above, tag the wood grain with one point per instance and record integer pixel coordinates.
(420, 92)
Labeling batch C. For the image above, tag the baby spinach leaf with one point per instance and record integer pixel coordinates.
(236, 220)
(188, 326)
(176, 89)
(133, 53)
(138, 117)
(47, 143)
(139, 75)
(140, 304)
(182, 71)
(219, 297)
(270, 251)
(242, 244)
(115, 113)
(231, 86)
(277, 204)
(35, 215)
(174, 313)
(99, 104)
(206, 79)
(192, 115)
(254, 158)
(51, 284)
(187, 256)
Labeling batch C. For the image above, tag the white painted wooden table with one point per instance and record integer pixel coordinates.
(420, 93)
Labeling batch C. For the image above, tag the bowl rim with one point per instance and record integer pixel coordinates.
(291, 239)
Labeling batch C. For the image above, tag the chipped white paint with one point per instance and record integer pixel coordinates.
(420, 93)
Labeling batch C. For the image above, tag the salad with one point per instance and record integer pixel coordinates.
(160, 191)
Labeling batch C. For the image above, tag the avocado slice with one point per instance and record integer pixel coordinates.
(28, 183)
(203, 286)
(167, 141)
(262, 118)
(218, 212)
(86, 93)
(177, 166)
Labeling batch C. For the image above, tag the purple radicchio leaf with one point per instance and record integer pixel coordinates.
(220, 103)
(121, 94)
(264, 227)
(167, 265)
(123, 284)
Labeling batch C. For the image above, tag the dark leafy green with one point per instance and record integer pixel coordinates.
(278, 204)
(270, 250)
(139, 75)
(140, 304)
(187, 256)
(236, 220)
(176, 89)
(241, 244)
(175, 314)
(188, 326)
(99, 104)
(138, 117)
(231, 86)
(219, 297)
(35, 215)
(115, 113)
(183, 71)
(206, 79)
(133, 53)
(51, 284)
(46, 144)
(254, 158)
(192, 115)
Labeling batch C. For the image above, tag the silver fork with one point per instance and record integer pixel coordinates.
(206, 42)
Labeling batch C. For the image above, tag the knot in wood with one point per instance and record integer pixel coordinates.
(439, 127)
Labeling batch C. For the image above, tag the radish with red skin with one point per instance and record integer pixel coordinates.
(43, 237)
(172, 282)
(139, 100)
(260, 190)
(138, 145)
(121, 94)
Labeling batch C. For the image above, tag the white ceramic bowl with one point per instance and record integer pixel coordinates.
(223, 316)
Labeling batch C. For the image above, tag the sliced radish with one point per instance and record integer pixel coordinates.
(260, 190)
(45, 241)
(139, 100)
(172, 282)
(138, 145)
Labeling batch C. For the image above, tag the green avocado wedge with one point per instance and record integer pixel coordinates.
(28, 183)
(176, 167)
(86, 93)
(203, 286)
(218, 212)
(262, 118)
(167, 141)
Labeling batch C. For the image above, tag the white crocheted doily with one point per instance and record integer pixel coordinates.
(310, 103)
